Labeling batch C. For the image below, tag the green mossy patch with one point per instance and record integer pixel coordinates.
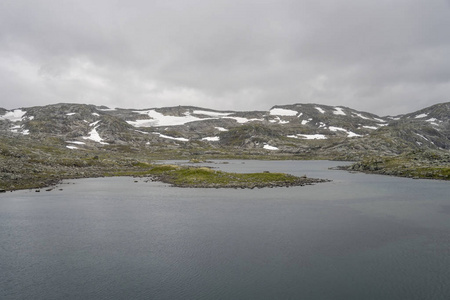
(208, 178)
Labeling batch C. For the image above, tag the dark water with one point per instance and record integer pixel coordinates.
(358, 237)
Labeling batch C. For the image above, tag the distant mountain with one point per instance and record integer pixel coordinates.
(306, 130)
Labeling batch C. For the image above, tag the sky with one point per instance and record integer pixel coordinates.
(387, 56)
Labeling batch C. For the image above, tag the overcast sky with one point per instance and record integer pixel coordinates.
(383, 56)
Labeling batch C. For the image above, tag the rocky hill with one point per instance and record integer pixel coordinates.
(305, 130)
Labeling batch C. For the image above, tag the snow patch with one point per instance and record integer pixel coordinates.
(142, 123)
(13, 116)
(278, 120)
(379, 120)
(433, 121)
(71, 147)
(421, 116)
(309, 136)
(320, 109)
(71, 114)
(361, 116)
(349, 133)
(16, 129)
(282, 112)
(304, 122)
(95, 123)
(423, 137)
(210, 113)
(243, 120)
(76, 142)
(352, 134)
(171, 137)
(268, 147)
(221, 129)
(96, 114)
(94, 136)
(239, 119)
(143, 132)
(370, 127)
(338, 111)
(211, 139)
(158, 119)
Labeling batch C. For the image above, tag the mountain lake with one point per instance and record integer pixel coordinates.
(358, 237)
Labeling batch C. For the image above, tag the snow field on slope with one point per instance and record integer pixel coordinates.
(158, 119)
(13, 116)
(282, 112)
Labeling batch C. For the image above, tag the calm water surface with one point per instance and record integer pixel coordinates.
(358, 237)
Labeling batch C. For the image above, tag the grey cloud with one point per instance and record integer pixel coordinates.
(388, 57)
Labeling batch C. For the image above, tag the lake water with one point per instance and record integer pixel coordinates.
(358, 237)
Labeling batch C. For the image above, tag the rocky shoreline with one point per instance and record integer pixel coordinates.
(299, 181)
(44, 163)
(17, 174)
(416, 165)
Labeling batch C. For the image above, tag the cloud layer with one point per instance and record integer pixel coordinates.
(387, 57)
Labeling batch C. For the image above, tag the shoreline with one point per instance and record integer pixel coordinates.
(175, 175)
(20, 174)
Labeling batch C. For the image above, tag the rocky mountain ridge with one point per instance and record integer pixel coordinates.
(309, 130)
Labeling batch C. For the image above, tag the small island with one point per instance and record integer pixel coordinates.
(202, 177)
